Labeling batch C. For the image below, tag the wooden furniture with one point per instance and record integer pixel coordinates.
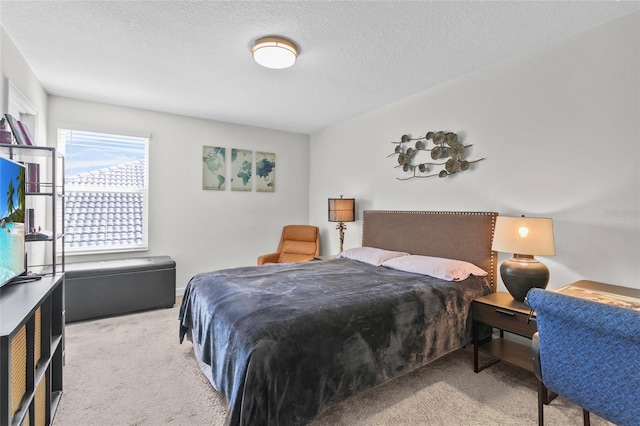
(32, 314)
(616, 295)
(502, 311)
(31, 351)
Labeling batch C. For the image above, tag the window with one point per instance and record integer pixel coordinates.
(106, 189)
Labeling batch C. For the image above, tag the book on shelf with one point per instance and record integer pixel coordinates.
(26, 134)
(33, 177)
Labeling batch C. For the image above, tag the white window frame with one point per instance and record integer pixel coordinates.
(61, 143)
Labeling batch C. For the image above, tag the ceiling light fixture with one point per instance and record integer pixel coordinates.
(274, 52)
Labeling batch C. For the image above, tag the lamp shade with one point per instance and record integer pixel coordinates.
(274, 52)
(524, 235)
(342, 209)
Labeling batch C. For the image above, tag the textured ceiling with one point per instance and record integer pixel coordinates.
(193, 57)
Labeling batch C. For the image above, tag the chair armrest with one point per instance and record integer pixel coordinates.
(268, 258)
(535, 352)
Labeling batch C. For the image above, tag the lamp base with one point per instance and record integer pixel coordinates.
(341, 227)
(521, 273)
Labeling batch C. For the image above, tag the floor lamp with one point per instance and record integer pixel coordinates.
(342, 210)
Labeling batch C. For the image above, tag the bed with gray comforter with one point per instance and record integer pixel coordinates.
(283, 342)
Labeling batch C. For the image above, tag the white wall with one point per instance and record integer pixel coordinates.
(560, 130)
(202, 230)
(559, 127)
(14, 67)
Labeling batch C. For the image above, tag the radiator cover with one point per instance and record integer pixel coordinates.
(113, 287)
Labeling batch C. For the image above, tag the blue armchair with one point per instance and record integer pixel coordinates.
(589, 353)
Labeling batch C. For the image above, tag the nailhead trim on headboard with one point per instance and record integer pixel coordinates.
(435, 233)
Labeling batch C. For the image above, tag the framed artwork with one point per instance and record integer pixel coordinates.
(241, 165)
(213, 168)
(265, 171)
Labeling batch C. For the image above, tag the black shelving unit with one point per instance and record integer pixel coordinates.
(31, 351)
(45, 202)
(32, 313)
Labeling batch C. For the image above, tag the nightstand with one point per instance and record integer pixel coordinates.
(501, 311)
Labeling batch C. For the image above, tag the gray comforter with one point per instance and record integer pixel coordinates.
(285, 341)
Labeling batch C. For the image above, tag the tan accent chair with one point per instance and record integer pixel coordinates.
(298, 243)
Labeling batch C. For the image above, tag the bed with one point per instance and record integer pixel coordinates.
(283, 342)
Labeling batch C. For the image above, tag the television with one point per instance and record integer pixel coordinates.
(12, 209)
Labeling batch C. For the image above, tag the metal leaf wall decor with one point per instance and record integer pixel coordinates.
(447, 150)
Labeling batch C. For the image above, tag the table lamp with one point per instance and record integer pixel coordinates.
(342, 210)
(525, 237)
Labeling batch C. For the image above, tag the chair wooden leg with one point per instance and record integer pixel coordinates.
(585, 417)
(542, 396)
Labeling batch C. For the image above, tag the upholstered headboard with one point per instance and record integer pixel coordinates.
(454, 235)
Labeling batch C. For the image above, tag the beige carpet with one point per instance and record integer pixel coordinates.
(130, 370)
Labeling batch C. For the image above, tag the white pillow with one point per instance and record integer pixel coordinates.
(371, 255)
(438, 267)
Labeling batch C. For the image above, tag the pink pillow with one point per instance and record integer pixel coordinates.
(371, 255)
(438, 267)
